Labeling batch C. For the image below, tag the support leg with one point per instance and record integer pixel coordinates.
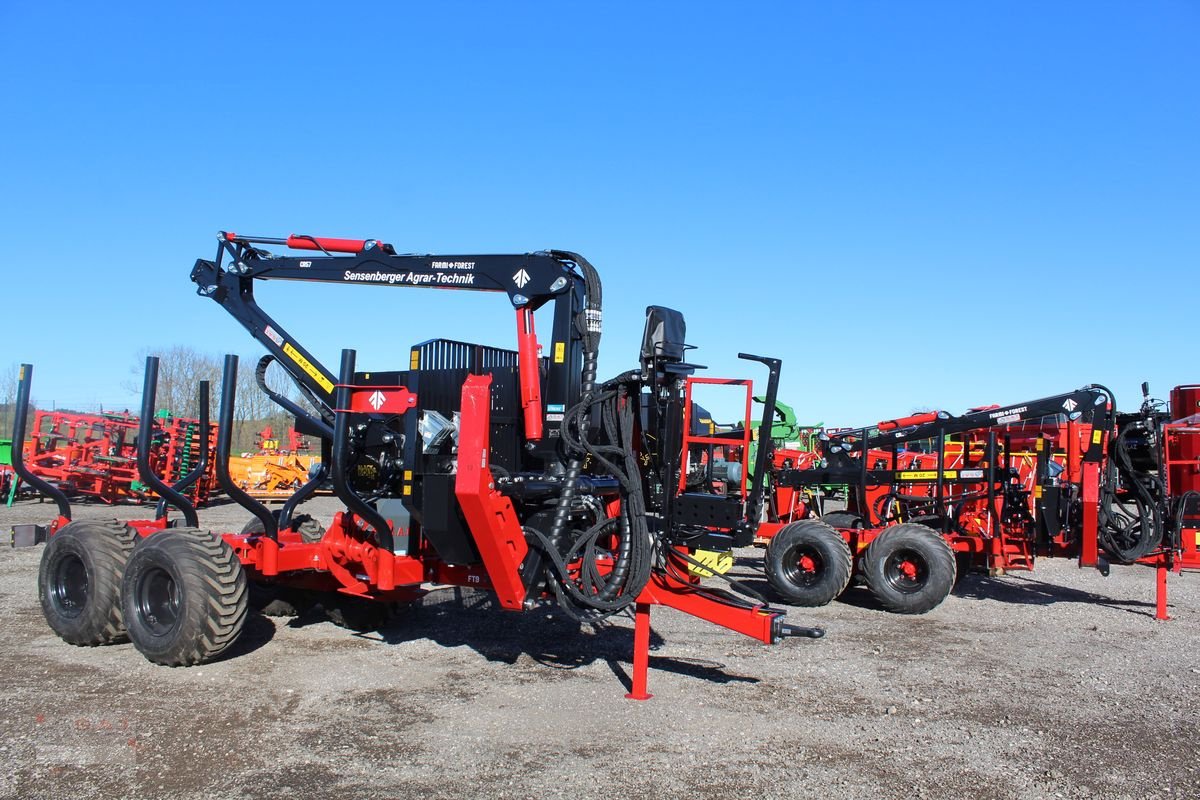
(1160, 593)
(641, 653)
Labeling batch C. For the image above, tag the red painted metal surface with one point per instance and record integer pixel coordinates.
(641, 653)
(95, 455)
(530, 368)
(332, 245)
(380, 400)
(733, 448)
(490, 515)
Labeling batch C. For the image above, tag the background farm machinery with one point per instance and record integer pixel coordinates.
(95, 455)
(504, 470)
(937, 495)
(277, 468)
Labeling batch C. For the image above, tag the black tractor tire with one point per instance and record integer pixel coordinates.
(808, 563)
(272, 600)
(79, 581)
(184, 597)
(358, 614)
(909, 568)
(844, 519)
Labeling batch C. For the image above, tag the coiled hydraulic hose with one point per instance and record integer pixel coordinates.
(588, 595)
(1129, 537)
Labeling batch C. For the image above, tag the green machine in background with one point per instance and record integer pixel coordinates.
(785, 430)
(8, 479)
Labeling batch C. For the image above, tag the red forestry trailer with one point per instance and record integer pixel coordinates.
(511, 471)
(932, 496)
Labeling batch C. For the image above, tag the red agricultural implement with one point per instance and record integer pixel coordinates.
(508, 471)
(932, 496)
(95, 455)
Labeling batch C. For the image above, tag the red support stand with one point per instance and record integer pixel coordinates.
(1160, 594)
(641, 653)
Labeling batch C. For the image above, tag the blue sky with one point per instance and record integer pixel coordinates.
(917, 204)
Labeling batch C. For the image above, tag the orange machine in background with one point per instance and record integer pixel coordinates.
(273, 472)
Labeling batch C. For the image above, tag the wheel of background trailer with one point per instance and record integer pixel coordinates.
(843, 519)
(79, 581)
(358, 614)
(270, 599)
(184, 597)
(309, 529)
(808, 563)
(910, 568)
(963, 562)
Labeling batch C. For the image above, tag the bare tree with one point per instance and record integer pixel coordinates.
(182, 368)
(180, 371)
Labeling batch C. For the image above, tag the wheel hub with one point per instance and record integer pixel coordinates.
(906, 571)
(158, 601)
(70, 585)
(804, 566)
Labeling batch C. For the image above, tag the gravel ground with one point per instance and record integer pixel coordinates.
(1057, 683)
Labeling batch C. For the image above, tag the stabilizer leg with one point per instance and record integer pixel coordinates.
(641, 653)
(1160, 593)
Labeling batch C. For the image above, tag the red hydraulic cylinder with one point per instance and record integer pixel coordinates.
(326, 243)
(904, 422)
(531, 377)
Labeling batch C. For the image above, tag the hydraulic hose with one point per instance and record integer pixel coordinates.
(1117, 535)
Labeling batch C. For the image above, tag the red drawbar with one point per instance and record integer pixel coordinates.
(323, 242)
(531, 377)
(490, 515)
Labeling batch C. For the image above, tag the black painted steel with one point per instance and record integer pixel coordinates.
(25, 380)
(225, 441)
(145, 439)
(341, 457)
(184, 483)
(762, 457)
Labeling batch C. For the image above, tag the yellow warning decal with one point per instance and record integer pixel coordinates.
(408, 474)
(308, 367)
(21, 376)
(1037, 491)
(414, 360)
(713, 561)
(918, 475)
(407, 490)
(951, 474)
(560, 352)
(1096, 436)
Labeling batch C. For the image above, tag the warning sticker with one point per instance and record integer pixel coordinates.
(308, 367)
(560, 352)
(710, 561)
